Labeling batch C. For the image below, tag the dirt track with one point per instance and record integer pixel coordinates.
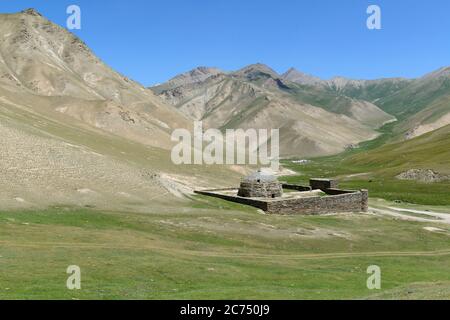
(317, 256)
(435, 217)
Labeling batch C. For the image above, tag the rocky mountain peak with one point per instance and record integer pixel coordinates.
(207, 71)
(31, 12)
(259, 67)
(256, 71)
(440, 73)
(196, 75)
(299, 77)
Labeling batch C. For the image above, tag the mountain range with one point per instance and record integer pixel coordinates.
(419, 105)
(312, 121)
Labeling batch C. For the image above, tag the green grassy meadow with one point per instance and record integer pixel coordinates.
(219, 250)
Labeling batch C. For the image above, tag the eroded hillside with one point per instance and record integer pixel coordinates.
(75, 132)
(257, 97)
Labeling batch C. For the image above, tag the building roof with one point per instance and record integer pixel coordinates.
(260, 176)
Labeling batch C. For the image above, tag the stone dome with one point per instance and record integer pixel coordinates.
(260, 185)
(260, 176)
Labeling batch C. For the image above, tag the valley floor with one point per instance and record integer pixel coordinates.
(208, 248)
(215, 249)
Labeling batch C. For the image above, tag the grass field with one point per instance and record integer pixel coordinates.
(217, 249)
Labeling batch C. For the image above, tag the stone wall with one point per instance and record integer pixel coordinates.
(261, 204)
(348, 202)
(335, 201)
(323, 184)
(364, 200)
(334, 191)
(295, 187)
(255, 189)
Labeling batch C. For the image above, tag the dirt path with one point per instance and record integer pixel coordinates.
(306, 256)
(435, 217)
(357, 175)
(444, 217)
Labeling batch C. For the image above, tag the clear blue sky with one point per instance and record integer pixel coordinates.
(151, 41)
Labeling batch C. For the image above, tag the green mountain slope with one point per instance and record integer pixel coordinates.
(428, 151)
(418, 94)
(330, 100)
(421, 105)
(372, 90)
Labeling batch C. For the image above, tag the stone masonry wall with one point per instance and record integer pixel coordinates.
(260, 189)
(334, 191)
(261, 204)
(337, 201)
(323, 184)
(349, 202)
(295, 187)
(364, 200)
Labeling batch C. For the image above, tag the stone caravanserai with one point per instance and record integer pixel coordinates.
(264, 191)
